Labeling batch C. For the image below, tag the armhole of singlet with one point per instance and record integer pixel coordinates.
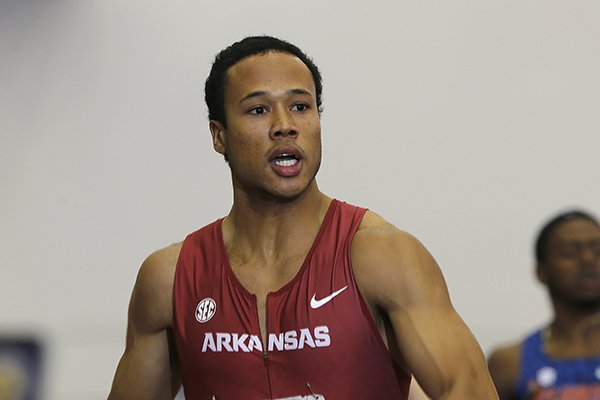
(403, 377)
(178, 267)
(364, 307)
(531, 350)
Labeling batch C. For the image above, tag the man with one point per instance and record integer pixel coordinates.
(293, 295)
(561, 360)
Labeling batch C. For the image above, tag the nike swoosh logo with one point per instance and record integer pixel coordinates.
(314, 303)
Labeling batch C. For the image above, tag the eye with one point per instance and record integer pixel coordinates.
(300, 107)
(596, 249)
(258, 110)
(569, 251)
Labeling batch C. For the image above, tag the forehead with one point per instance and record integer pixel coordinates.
(579, 229)
(270, 72)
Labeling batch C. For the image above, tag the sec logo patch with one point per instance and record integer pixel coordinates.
(205, 310)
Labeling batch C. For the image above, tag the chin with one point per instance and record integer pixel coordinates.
(289, 194)
(590, 303)
(292, 189)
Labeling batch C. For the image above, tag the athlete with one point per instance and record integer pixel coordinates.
(560, 360)
(293, 294)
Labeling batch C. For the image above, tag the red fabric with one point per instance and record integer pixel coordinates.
(334, 351)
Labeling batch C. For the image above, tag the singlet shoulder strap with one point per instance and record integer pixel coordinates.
(532, 358)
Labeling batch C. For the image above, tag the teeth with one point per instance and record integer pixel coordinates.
(286, 162)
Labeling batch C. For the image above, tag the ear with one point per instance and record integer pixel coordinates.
(540, 271)
(217, 130)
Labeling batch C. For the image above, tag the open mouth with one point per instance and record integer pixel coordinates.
(285, 160)
(589, 280)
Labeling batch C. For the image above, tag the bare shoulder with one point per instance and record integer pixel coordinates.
(388, 262)
(375, 234)
(504, 365)
(506, 355)
(152, 295)
(158, 269)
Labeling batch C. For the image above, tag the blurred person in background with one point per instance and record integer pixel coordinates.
(562, 359)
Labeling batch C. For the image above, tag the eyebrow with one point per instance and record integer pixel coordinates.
(579, 242)
(259, 93)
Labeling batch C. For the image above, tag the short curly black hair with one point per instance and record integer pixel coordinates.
(214, 89)
(541, 243)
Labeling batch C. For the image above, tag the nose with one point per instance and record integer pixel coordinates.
(588, 256)
(283, 124)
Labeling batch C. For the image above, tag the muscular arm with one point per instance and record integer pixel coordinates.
(504, 368)
(148, 368)
(398, 276)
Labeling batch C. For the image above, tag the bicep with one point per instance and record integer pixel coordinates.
(436, 345)
(402, 279)
(504, 369)
(148, 368)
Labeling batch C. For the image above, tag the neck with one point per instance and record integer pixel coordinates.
(270, 229)
(572, 322)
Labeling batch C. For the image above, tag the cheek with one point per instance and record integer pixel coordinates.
(314, 131)
(245, 150)
(566, 271)
(243, 138)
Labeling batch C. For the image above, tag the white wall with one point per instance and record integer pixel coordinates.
(466, 123)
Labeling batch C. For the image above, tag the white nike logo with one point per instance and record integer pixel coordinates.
(314, 303)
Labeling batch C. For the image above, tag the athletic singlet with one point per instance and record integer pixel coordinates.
(557, 378)
(322, 341)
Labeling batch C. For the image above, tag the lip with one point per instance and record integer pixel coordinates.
(589, 280)
(286, 171)
(280, 151)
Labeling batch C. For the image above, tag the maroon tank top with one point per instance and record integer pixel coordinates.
(322, 341)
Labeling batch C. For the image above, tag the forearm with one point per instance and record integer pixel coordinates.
(475, 384)
(451, 365)
(147, 371)
(469, 376)
(136, 378)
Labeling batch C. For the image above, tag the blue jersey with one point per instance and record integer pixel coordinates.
(556, 378)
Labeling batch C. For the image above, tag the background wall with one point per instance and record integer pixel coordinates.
(466, 123)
